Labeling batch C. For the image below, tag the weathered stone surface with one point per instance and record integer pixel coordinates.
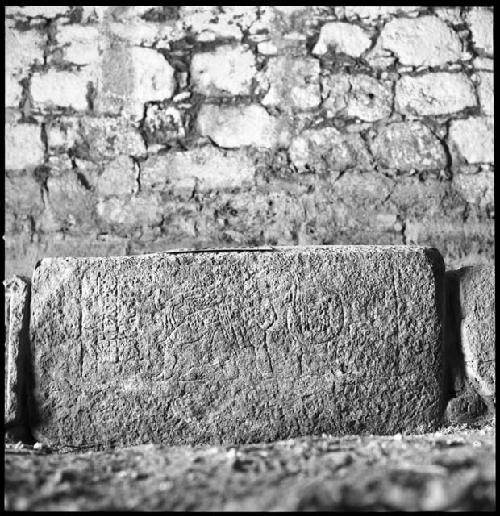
(476, 188)
(67, 89)
(434, 94)
(125, 212)
(117, 178)
(34, 11)
(406, 146)
(372, 12)
(343, 38)
(480, 20)
(485, 91)
(424, 41)
(291, 82)
(130, 77)
(190, 347)
(78, 44)
(472, 140)
(23, 146)
(22, 49)
(359, 96)
(237, 126)
(328, 150)
(163, 124)
(17, 349)
(103, 138)
(477, 330)
(202, 169)
(225, 71)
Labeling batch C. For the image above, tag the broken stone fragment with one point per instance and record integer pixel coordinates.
(16, 350)
(470, 342)
(237, 346)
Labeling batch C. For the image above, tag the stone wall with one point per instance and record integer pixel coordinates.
(139, 129)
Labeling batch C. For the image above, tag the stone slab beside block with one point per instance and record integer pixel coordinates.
(226, 346)
(16, 349)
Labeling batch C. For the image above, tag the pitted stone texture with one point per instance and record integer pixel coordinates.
(130, 77)
(423, 41)
(103, 138)
(434, 94)
(245, 346)
(477, 305)
(485, 91)
(342, 38)
(359, 96)
(237, 126)
(406, 146)
(16, 349)
(472, 140)
(66, 89)
(225, 71)
(202, 169)
(291, 82)
(163, 124)
(23, 146)
(325, 150)
(480, 21)
(476, 188)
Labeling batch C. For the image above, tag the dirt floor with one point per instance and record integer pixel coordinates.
(453, 469)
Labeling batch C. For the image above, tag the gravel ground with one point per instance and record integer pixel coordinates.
(453, 469)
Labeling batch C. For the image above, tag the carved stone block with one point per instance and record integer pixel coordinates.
(232, 346)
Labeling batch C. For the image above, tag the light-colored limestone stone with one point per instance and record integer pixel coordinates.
(424, 41)
(343, 38)
(226, 71)
(42, 11)
(23, 146)
(372, 12)
(476, 188)
(327, 150)
(249, 345)
(291, 82)
(472, 139)
(22, 49)
(407, 146)
(358, 96)
(133, 212)
(486, 93)
(434, 94)
(203, 169)
(480, 20)
(238, 126)
(80, 44)
(67, 89)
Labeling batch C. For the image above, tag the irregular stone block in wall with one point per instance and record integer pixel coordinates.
(477, 328)
(255, 345)
(480, 21)
(291, 82)
(22, 49)
(23, 146)
(130, 77)
(202, 169)
(406, 146)
(35, 11)
(342, 38)
(17, 349)
(434, 94)
(485, 91)
(325, 150)
(359, 96)
(423, 41)
(472, 140)
(225, 71)
(77, 44)
(53, 89)
(238, 126)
